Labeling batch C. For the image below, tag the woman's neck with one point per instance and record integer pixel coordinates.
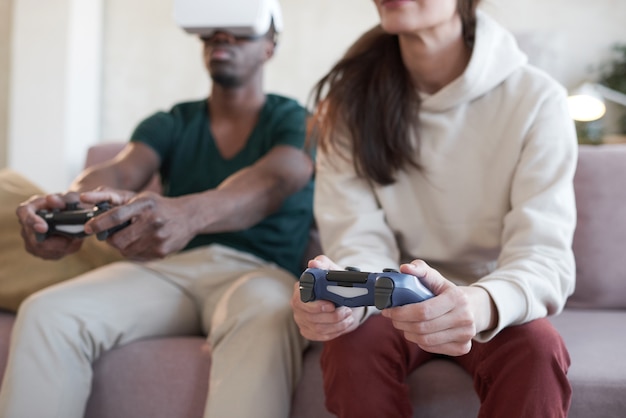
(435, 57)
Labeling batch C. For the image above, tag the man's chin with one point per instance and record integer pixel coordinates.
(226, 81)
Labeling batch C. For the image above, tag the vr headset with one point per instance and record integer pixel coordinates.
(241, 18)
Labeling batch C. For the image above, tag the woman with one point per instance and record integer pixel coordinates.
(443, 152)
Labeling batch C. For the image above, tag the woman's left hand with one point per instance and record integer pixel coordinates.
(447, 323)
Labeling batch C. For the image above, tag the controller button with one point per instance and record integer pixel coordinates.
(388, 270)
(382, 292)
(307, 287)
(351, 268)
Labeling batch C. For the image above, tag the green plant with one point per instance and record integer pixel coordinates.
(613, 72)
(613, 75)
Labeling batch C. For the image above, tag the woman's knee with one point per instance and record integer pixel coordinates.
(537, 344)
(376, 341)
(544, 340)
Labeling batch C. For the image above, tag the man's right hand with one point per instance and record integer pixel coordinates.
(160, 225)
(53, 247)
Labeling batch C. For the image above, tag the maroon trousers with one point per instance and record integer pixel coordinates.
(519, 373)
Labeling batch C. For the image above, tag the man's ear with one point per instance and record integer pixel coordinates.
(270, 47)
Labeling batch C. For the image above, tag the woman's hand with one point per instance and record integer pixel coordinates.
(320, 320)
(447, 323)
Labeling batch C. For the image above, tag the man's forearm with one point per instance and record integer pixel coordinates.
(243, 200)
(95, 177)
(233, 207)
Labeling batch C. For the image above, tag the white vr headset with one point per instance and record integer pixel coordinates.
(241, 18)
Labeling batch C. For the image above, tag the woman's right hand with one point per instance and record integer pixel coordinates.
(320, 320)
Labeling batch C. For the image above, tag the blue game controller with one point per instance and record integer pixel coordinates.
(354, 288)
(347, 287)
(397, 289)
(69, 222)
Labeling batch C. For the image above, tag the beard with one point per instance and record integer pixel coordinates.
(226, 80)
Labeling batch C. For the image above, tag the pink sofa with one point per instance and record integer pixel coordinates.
(167, 378)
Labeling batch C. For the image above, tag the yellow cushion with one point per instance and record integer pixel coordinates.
(21, 273)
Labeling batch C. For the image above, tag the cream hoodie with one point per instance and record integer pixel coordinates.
(494, 205)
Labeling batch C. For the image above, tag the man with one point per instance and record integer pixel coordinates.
(217, 253)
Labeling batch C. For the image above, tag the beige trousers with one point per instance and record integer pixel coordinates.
(239, 301)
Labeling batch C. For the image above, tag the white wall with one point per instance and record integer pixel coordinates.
(55, 89)
(578, 33)
(37, 83)
(148, 63)
(5, 41)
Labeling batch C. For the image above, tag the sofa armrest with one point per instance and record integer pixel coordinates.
(600, 237)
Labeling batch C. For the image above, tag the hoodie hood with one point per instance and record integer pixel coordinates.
(495, 57)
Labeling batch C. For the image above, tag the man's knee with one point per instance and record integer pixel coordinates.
(43, 306)
(268, 290)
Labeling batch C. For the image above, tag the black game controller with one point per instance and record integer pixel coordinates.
(69, 222)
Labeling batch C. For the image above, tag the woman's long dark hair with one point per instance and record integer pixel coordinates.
(370, 91)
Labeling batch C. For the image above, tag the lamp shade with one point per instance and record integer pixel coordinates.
(586, 104)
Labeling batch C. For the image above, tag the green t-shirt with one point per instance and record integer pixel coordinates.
(191, 163)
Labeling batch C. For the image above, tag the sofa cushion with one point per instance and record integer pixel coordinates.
(600, 237)
(449, 391)
(160, 377)
(6, 325)
(595, 340)
(21, 273)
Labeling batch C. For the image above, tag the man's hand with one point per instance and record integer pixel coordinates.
(447, 323)
(159, 225)
(115, 197)
(53, 247)
(320, 320)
